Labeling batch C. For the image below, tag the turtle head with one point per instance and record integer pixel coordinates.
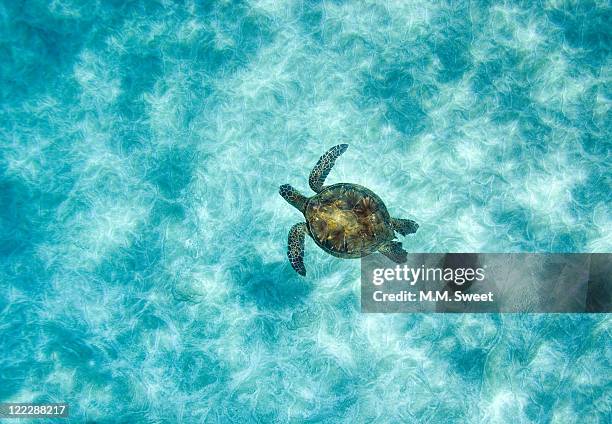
(293, 197)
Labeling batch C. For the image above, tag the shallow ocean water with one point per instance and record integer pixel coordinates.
(142, 239)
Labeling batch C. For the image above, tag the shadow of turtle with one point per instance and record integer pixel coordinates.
(270, 286)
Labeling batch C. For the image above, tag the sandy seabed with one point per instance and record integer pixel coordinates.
(143, 269)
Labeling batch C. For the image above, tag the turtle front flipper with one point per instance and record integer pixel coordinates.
(295, 249)
(324, 165)
(394, 251)
(404, 226)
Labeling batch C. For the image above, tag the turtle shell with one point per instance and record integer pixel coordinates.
(348, 220)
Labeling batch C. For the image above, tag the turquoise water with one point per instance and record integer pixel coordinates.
(143, 267)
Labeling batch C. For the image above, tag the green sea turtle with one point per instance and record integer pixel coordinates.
(345, 220)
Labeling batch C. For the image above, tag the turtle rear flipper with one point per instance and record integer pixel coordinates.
(394, 251)
(323, 166)
(404, 226)
(295, 248)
